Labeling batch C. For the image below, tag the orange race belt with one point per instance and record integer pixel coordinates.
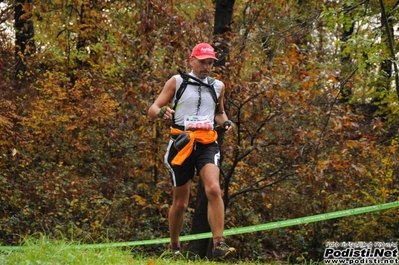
(202, 136)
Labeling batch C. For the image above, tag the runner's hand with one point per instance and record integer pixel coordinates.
(166, 113)
(228, 125)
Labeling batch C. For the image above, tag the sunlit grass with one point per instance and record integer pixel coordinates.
(44, 251)
(50, 252)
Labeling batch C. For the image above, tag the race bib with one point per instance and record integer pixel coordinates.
(197, 122)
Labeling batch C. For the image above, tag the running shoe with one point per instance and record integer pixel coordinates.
(222, 251)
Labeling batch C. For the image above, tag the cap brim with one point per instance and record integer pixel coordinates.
(203, 57)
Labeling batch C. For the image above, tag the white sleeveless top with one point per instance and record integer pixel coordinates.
(196, 107)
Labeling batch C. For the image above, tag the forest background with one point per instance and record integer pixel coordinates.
(312, 87)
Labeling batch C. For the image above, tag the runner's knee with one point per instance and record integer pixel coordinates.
(180, 206)
(213, 191)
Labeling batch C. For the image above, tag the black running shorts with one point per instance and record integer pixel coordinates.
(202, 154)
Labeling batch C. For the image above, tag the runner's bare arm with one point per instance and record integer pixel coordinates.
(221, 116)
(162, 100)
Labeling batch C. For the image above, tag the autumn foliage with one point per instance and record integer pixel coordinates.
(80, 159)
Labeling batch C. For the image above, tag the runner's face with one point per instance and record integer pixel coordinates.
(201, 68)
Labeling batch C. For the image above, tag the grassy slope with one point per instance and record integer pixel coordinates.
(49, 252)
(44, 251)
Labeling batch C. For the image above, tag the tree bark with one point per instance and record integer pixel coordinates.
(345, 58)
(387, 65)
(24, 33)
(223, 19)
(200, 223)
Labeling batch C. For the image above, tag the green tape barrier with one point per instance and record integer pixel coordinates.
(235, 231)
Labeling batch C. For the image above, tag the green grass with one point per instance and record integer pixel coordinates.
(49, 252)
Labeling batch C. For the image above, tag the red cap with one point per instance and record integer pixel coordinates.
(203, 51)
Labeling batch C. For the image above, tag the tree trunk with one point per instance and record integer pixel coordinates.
(388, 35)
(24, 33)
(200, 223)
(202, 247)
(223, 16)
(345, 58)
